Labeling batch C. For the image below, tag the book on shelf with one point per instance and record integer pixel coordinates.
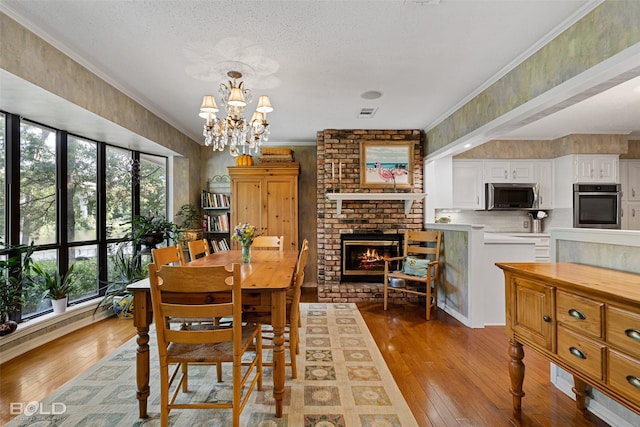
(219, 245)
(217, 222)
(214, 200)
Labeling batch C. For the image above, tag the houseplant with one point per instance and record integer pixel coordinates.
(54, 286)
(126, 269)
(149, 230)
(14, 265)
(190, 223)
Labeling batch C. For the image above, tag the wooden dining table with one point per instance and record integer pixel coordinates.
(265, 281)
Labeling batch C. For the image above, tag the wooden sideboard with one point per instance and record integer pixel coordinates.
(582, 318)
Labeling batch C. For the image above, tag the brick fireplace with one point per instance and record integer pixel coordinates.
(370, 217)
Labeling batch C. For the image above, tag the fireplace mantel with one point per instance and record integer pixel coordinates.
(408, 198)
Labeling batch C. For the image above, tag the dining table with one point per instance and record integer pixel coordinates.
(265, 280)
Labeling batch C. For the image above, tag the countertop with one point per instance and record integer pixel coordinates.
(502, 238)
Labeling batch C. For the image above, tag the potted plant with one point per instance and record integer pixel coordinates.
(191, 223)
(126, 269)
(14, 265)
(149, 230)
(54, 286)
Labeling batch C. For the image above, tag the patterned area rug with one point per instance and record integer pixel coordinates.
(342, 381)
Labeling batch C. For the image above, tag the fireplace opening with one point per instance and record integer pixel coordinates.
(363, 255)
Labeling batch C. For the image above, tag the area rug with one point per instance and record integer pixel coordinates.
(342, 381)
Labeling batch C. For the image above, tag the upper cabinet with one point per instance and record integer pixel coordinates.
(596, 168)
(468, 185)
(543, 175)
(508, 171)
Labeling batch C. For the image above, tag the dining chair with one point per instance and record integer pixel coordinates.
(198, 248)
(420, 265)
(176, 291)
(292, 343)
(171, 255)
(268, 242)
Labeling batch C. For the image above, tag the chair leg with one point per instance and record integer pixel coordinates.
(185, 377)
(428, 289)
(293, 344)
(164, 395)
(219, 371)
(259, 356)
(385, 291)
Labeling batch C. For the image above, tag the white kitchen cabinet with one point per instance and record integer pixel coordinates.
(631, 216)
(596, 168)
(543, 175)
(468, 185)
(633, 180)
(508, 171)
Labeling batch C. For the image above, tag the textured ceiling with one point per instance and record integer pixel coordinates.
(314, 58)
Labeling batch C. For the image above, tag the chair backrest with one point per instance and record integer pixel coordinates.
(171, 255)
(298, 280)
(179, 295)
(425, 244)
(268, 242)
(198, 248)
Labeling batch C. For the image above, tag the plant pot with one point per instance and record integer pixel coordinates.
(7, 326)
(59, 305)
(150, 240)
(192, 234)
(123, 306)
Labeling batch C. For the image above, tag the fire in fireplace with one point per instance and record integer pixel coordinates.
(363, 255)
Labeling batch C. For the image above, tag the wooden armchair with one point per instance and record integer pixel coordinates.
(420, 266)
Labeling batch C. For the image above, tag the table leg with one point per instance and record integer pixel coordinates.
(516, 373)
(142, 315)
(278, 320)
(580, 389)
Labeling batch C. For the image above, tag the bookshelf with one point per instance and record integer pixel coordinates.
(215, 201)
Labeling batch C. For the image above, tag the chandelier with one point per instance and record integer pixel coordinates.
(242, 137)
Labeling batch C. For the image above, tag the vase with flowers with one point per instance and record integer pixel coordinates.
(244, 234)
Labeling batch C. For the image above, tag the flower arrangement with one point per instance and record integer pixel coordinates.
(245, 233)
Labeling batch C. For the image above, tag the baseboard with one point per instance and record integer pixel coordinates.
(593, 406)
(39, 331)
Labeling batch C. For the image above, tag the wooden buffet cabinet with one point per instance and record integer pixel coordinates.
(582, 318)
(267, 197)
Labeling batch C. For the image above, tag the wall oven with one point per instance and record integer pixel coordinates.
(597, 206)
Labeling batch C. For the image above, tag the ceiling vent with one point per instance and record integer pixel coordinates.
(366, 113)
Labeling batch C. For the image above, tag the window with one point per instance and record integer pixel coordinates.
(37, 184)
(71, 194)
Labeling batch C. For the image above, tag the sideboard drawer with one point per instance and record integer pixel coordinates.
(624, 375)
(578, 313)
(623, 330)
(581, 353)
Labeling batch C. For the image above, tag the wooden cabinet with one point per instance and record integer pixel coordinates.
(267, 197)
(630, 180)
(584, 319)
(468, 185)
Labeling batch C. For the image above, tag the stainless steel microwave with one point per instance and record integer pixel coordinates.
(511, 196)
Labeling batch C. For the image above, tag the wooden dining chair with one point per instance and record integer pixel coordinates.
(198, 248)
(268, 243)
(171, 255)
(420, 266)
(292, 343)
(179, 294)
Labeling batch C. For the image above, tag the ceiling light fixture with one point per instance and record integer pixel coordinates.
(234, 130)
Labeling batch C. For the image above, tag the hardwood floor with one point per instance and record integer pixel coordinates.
(450, 375)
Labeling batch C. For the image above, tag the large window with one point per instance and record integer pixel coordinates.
(74, 199)
(37, 184)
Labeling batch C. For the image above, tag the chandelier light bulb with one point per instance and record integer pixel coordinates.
(233, 130)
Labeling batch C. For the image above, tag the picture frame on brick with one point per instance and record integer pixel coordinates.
(386, 164)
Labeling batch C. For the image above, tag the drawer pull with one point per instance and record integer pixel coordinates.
(546, 318)
(633, 380)
(577, 314)
(577, 353)
(634, 334)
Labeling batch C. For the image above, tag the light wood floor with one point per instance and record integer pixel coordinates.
(450, 375)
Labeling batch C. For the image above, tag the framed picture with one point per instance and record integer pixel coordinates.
(386, 164)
